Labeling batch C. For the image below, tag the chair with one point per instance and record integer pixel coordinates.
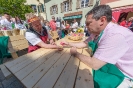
(17, 43)
(54, 35)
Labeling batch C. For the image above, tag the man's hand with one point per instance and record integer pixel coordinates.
(52, 42)
(73, 51)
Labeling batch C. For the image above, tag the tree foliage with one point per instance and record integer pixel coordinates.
(15, 8)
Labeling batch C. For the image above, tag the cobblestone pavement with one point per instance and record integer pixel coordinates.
(12, 81)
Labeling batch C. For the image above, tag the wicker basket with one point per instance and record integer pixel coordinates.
(76, 36)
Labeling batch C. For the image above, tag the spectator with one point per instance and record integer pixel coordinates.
(19, 24)
(75, 25)
(123, 22)
(47, 25)
(53, 24)
(7, 21)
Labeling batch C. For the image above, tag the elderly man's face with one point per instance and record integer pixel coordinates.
(37, 25)
(94, 26)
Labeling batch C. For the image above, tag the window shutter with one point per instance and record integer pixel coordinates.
(78, 4)
(38, 9)
(51, 10)
(42, 7)
(61, 7)
(70, 5)
(90, 2)
(56, 9)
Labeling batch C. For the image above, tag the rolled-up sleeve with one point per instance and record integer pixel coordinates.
(32, 38)
(111, 48)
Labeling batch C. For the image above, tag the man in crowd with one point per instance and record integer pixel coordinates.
(111, 44)
(37, 35)
(75, 25)
(7, 21)
(53, 24)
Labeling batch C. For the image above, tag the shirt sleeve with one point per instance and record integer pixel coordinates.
(32, 38)
(111, 48)
(2, 22)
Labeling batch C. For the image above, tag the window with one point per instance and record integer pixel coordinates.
(66, 6)
(40, 8)
(54, 10)
(84, 3)
(34, 8)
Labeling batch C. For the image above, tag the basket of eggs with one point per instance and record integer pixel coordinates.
(77, 36)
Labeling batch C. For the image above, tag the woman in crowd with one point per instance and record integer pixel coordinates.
(19, 24)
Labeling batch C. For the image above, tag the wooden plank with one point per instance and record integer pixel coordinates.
(5, 71)
(1, 33)
(15, 32)
(14, 55)
(18, 48)
(7, 33)
(15, 38)
(19, 42)
(84, 77)
(22, 58)
(31, 67)
(67, 78)
(36, 75)
(29, 60)
(49, 79)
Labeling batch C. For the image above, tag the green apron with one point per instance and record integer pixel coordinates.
(108, 76)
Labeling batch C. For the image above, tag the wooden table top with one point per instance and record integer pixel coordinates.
(49, 68)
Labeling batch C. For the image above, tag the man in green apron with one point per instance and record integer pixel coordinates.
(112, 49)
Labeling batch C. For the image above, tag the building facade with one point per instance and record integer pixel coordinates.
(38, 7)
(68, 10)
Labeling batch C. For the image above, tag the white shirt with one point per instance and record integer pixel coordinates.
(20, 26)
(74, 26)
(34, 39)
(6, 23)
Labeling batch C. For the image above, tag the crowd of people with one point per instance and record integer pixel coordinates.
(9, 23)
(128, 24)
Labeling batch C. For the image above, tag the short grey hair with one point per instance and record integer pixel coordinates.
(101, 10)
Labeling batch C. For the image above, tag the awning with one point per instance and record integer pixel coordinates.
(124, 9)
(117, 11)
(115, 16)
(72, 17)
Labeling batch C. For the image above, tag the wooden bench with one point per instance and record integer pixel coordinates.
(17, 43)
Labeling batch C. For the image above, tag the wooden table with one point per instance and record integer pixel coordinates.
(49, 68)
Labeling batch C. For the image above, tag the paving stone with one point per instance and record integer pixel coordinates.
(16, 84)
(2, 77)
(1, 85)
(7, 82)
